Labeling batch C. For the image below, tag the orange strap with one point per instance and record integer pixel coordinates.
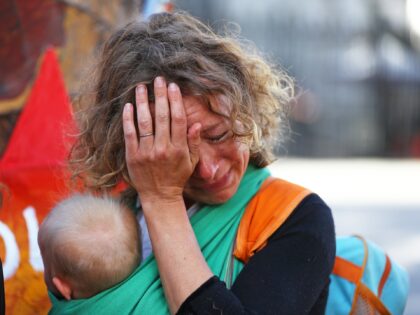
(385, 275)
(265, 213)
(347, 270)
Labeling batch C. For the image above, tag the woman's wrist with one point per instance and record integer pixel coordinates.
(182, 267)
(160, 204)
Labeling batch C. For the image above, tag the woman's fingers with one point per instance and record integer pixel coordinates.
(130, 136)
(162, 115)
(178, 118)
(194, 141)
(170, 151)
(144, 119)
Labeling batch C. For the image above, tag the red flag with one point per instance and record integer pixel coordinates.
(33, 171)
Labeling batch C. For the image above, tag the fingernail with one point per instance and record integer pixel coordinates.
(127, 107)
(160, 81)
(173, 86)
(140, 88)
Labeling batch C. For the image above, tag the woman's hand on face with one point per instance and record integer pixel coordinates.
(162, 160)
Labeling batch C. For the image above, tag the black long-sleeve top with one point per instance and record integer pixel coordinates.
(290, 275)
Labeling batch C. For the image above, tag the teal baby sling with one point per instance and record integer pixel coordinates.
(374, 285)
(142, 293)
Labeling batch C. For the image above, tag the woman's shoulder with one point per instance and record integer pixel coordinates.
(312, 218)
(280, 209)
(301, 208)
(309, 210)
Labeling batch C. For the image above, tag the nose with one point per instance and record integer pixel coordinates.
(208, 165)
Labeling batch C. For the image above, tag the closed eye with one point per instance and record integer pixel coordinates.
(219, 138)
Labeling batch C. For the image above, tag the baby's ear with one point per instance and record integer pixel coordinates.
(63, 287)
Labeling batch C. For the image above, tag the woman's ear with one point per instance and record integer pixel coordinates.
(63, 287)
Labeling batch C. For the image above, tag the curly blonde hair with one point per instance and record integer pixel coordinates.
(187, 52)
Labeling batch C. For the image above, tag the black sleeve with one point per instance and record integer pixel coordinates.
(288, 276)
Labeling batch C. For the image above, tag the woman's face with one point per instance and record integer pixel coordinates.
(223, 160)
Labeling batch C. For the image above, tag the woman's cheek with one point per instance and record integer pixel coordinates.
(243, 152)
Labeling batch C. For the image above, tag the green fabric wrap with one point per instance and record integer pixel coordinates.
(142, 293)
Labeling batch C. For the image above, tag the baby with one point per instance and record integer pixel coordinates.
(88, 244)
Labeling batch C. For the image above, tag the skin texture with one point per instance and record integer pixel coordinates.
(222, 159)
(193, 154)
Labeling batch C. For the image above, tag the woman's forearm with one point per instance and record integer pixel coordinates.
(160, 160)
(181, 264)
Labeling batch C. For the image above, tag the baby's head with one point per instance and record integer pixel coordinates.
(88, 244)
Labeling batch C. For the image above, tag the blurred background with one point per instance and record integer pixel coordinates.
(355, 127)
(357, 64)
